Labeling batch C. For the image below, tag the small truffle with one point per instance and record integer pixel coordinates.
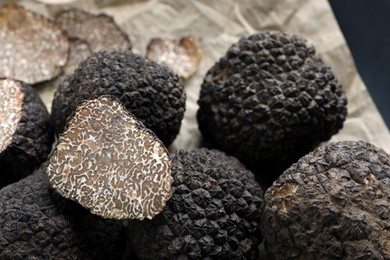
(269, 101)
(181, 55)
(108, 162)
(334, 203)
(36, 223)
(25, 132)
(152, 92)
(99, 31)
(214, 212)
(33, 49)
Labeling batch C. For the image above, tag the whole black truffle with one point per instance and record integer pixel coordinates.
(334, 203)
(269, 101)
(214, 211)
(152, 92)
(36, 223)
(25, 132)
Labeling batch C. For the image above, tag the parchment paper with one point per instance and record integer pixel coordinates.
(218, 24)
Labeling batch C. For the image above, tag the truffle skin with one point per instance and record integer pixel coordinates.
(334, 203)
(270, 100)
(31, 141)
(37, 223)
(214, 212)
(108, 162)
(152, 92)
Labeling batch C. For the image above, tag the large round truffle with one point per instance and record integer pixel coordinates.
(334, 203)
(35, 223)
(214, 212)
(25, 132)
(152, 92)
(270, 100)
(107, 161)
(33, 48)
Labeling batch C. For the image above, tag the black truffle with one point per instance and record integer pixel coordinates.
(214, 211)
(269, 101)
(334, 203)
(108, 162)
(152, 92)
(25, 131)
(35, 223)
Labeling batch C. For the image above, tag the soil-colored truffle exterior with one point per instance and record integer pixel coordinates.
(334, 203)
(214, 212)
(31, 142)
(152, 92)
(270, 100)
(36, 223)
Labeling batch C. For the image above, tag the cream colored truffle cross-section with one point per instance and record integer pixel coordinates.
(108, 162)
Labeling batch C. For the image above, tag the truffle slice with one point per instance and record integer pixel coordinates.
(152, 92)
(33, 49)
(269, 101)
(107, 161)
(35, 223)
(182, 55)
(214, 212)
(334, 203)
(78, 51)
(25, 132)
(99, 31)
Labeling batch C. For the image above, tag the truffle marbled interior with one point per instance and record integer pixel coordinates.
(110, 163)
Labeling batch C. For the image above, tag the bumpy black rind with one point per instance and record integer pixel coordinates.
(214, 212)
(36, 223)
(269, 101)
(334, 203)
(152, 92)
(31, 142)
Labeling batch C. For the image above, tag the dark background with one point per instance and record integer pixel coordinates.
(366, 28)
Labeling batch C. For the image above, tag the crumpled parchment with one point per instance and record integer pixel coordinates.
(220, 23)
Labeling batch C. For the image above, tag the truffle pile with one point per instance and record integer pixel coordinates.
(334, 203)
(270, 100)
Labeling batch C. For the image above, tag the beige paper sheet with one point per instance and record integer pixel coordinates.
(218, 24)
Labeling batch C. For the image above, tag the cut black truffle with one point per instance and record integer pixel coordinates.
(35, 223)
(270, 100)
(182, 55)
(334, 203)
(214, 212)
(99, 31)
(33, 48)
(108, 162)
(152, 92)
(25, 132)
